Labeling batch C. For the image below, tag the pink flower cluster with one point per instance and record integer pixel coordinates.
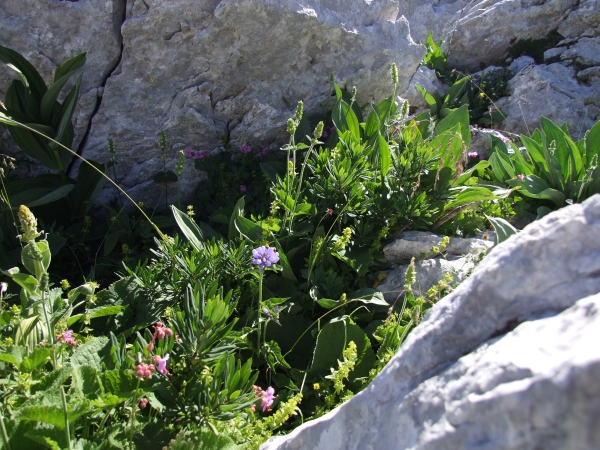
(245, 149)
(144, 370)
(67, 338)
(266, 397)
(188, 153)
(159, 363)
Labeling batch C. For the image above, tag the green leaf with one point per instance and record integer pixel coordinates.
(193, 233)
(89, 353)
(501, 166)
(328, 303)
(252, 231)
(27, 282)
(592, 143)
(459, 117)
(57, 194)
(238, 211)
(86, 382)
(535, 187)
(14, 354)
(49, 102)
(503, 229)
(344, 119)
(120, 383)
(368, 296)
(29, 258)
(71, 65)
(53, 415)
(385, 157)
(25, 70)
(373, 124)
(38, 356)
(273, 169)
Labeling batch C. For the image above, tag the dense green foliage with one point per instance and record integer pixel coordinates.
(259, 311)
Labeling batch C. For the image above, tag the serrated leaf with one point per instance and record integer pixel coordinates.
(89, 353)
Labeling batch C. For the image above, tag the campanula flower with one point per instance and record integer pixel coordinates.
(264, 256)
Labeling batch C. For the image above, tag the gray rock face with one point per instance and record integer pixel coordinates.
(414, 243)
(428, 273)
(509, 360)
(495, 25)
(48, 32)
(553, 91)
(427, 79)
(205, 70)
(583, 21)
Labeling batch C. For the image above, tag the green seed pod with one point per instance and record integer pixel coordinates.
(405, 108)
(28, 224)
(319, 130)
(299, 110)
(291, 126)
(394, 73)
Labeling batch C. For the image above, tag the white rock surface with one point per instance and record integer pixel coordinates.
(496, 25)
(427, 79)
(48, 32)
(582, 21)
(415, 243)
(509, 360)
(204, 70)
(428, 273)
(553, 91)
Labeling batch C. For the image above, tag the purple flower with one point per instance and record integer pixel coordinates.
(472, 154)
(324, 134)
(266, 312)
(243, 187)
(188, 153)
(205, 154)
(264, 256)
(267, 398)
(265, 151)
(67, 338)
(245, 149)
(161, 363)
(198, 155)
(332, 129)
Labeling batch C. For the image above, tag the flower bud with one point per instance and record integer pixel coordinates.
(394, 73)
(299, 110)
(319, 130)
(28, 224)
(291, 126)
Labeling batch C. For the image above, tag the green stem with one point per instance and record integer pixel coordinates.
(260, 288)
(160, 233)
(4, 435)
(66, 414)
(132, 416)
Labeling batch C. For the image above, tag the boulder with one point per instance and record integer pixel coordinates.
(554, 92)
(429, 272)
(48, 32)
(208, 71)
(428, 80)
(415, 243)
(508, 360)
(584, 20)
(495, 26)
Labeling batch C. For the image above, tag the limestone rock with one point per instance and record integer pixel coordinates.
(585, 52)
(48, 32)
(415, 243)
(427, 79)
(428, 273)
(481, 142)
(583, 21)
(509, 360)
(496, 25)
(553, 91)
(207, 70)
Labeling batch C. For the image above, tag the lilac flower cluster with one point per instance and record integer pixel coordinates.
(264, 256)
(196, 154)
(274, 316)
(266, 397)
(67, 338)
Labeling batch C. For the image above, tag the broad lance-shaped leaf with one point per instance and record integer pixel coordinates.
(535, 187)
(503, 229)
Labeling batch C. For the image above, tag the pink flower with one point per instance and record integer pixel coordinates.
(188, 153)
(242, 187)
(521, 177)
(198, 155)
(265, 151)
(472, 154)
(144, 370)
(252, 408)
(205, 154)
(67, 338)
(245, 149)
(161, 364)
(267, 398)
(143, 403)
